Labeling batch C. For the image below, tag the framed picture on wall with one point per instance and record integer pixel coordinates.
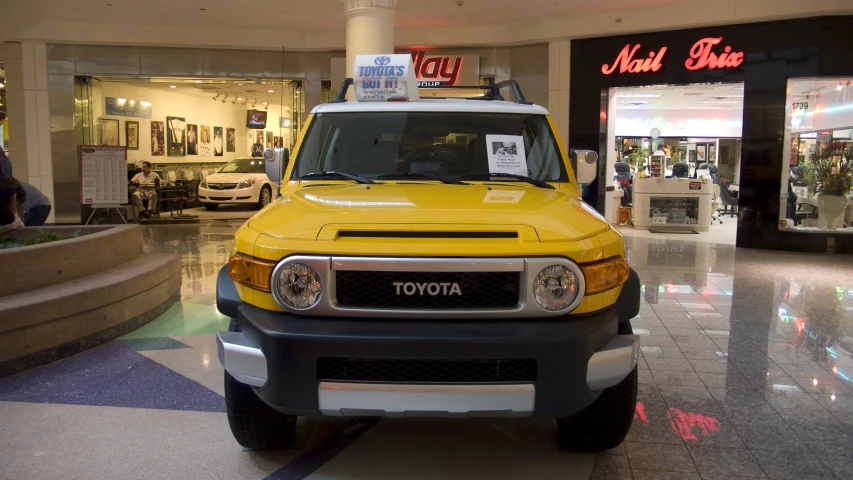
(230, 140)
(131, 135)
(259, 136)
(269, 139)
(192, 139)
(218, 142)
(158, 139)
(712, 153)
(176, 140)
(700, 153)
(109, 132)
(204, 147)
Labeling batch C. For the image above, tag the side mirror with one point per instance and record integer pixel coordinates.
(275, 163)
(585, 165)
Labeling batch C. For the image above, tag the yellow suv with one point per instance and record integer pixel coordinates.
(429, 258)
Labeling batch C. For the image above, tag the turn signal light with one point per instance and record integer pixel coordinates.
(606, 275)
(251, 272)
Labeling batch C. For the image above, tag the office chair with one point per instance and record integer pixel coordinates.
(728, 201)
(179, 201)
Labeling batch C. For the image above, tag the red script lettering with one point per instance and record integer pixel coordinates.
(701, 56)
(627, 64)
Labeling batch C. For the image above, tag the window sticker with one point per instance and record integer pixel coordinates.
(506, 154)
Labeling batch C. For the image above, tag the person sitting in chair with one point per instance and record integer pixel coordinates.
(147, 182)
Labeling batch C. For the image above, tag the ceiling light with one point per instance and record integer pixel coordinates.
(173, 86)
(840, 86)
(225, 98)
(198, 81)
(270, 91)
(266, 103)
(217, 96)
(2, 83)
(239, 99)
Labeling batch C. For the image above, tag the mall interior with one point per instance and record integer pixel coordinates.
(723, 133)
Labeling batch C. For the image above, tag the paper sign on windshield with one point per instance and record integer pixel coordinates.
(380, 78)
(506, 154)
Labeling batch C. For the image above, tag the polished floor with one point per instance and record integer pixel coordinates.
(745, 373)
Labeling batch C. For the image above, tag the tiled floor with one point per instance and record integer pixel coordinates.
(745, 373)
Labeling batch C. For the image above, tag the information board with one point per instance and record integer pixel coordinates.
(103, 175)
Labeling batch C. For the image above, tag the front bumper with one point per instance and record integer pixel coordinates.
(576, 357)
(241, 195)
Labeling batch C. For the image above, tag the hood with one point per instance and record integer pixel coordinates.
(322, 211)
(232, 177)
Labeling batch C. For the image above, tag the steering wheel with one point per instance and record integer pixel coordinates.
(433, 153)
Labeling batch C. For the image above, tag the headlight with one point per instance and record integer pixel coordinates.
(298, 285)
(556, 287)
(247, 183)
(251, 272)
(606, 275)
(203, 184)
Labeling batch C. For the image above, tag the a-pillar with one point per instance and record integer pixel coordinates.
(370, 30)
(29, 115)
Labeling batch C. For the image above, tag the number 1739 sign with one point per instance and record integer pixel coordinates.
(800, 106)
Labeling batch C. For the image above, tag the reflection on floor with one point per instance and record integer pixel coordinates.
(746, 371)
(720, 234)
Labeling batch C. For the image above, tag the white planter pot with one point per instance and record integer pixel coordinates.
(831, 211)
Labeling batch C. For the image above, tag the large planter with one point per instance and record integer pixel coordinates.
(831, 211)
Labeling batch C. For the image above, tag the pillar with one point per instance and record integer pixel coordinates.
(29, 115)
(559, 72)
(370, 30)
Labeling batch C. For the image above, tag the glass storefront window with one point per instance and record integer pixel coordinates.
(817, 176)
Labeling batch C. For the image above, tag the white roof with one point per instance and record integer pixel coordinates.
(432, 105)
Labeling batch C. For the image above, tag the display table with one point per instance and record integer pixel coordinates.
(672, 204)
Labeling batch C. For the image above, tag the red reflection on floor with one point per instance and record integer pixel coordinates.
(686, 425)
(640, 412)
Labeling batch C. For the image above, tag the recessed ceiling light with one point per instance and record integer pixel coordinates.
(239, 98)
(173, 86)
(198, 81)
(269, 91)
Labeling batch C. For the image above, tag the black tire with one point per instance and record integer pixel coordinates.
(211, 206)
(264, 190)
(606, 422)
(255, 424)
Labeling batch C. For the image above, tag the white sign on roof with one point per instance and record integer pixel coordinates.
(382, 78)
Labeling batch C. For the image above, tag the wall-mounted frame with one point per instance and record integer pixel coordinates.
(131, 135)
(109, 132)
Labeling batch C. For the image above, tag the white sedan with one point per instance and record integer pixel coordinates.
(242, 181)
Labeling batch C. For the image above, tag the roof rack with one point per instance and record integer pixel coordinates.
(494, 91)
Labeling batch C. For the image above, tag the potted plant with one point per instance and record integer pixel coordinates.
(830, 175)
(638, 158)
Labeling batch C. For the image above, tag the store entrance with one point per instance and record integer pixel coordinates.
(673, 157)
(203, 138)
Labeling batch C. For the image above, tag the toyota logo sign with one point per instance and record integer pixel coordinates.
(382, 60)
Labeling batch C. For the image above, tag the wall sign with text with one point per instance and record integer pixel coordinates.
(446, 70)
(122, 107)
(706, 54)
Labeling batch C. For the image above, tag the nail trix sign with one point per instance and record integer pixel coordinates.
(702, 56)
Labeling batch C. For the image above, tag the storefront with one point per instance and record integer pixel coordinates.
(737, 100)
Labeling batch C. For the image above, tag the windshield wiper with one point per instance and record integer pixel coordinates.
(332, 173)
(425, 176)
(522, 178)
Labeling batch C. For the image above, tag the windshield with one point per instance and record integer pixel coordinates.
(461, 145)
(244, 165)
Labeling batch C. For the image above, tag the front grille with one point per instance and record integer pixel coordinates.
(426, 371)
(432, 290)
(222, 186)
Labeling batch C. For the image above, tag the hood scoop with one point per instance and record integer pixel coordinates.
(426, 234)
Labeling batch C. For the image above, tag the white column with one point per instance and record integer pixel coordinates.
(559, 73)
(29, 116)
(370, 29)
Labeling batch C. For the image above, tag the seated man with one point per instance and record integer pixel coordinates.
(36, 207)
(11, 194)
(147, 181)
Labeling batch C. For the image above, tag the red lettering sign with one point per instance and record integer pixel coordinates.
(627, 64)
(434, 71)
(701, 57)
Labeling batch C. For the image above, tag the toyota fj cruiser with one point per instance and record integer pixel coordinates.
(428, 257)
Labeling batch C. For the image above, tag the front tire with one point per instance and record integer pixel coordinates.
(605, 423)
(265, 197)
(255, 424)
